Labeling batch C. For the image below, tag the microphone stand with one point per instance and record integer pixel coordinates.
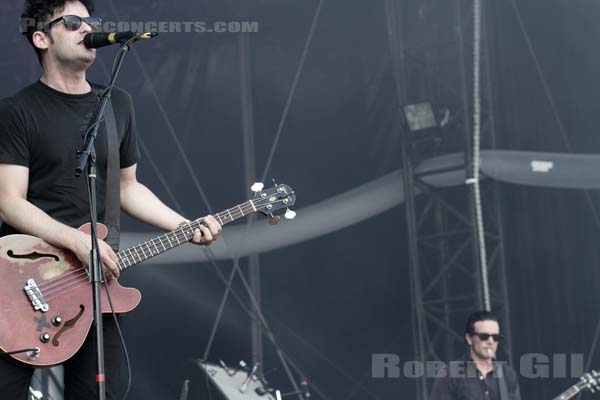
(87, 158)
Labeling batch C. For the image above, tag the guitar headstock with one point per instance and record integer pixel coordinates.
(271, 200)
(590, 381)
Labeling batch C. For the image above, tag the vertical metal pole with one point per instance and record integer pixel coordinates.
(441, 228)
(418, 312)
(397, 47)
(250, 178)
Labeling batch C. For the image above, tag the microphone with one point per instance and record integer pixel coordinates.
(101, 39)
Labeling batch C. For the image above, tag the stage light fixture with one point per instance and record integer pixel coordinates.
(419, 116)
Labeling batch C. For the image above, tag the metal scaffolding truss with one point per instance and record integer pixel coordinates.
(431, 47)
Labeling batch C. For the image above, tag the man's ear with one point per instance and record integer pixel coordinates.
(41, 40)
(468, 339)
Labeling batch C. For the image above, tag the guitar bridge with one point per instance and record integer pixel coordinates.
(35, 296)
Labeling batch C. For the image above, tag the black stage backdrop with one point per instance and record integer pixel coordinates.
(334, 301)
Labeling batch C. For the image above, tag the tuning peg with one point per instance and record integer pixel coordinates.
(273, 220)
(290, 214)
(257, 187)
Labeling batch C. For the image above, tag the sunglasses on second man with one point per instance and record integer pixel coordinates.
(485, 336)
(73, 22)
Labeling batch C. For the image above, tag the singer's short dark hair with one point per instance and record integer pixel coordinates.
(37, 12)
(477, 316)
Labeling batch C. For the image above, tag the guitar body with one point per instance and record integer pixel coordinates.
(34, 274)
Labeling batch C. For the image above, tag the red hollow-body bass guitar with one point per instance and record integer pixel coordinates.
(46, 294)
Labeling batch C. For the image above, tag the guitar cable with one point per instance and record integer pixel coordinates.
(121, 338)
(33, 350)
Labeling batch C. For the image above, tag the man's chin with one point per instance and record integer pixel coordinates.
(87, 60)
(485, 356)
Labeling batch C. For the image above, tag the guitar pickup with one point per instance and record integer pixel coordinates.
(35, 296)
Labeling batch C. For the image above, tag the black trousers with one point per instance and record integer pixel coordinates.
(79, 370)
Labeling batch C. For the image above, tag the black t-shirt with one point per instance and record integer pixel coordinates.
(42, 129)
(462, 380)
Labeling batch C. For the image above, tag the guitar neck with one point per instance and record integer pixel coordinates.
(167, 241)
(567, 394)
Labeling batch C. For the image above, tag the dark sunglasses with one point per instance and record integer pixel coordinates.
(485, 336)
(73, 22)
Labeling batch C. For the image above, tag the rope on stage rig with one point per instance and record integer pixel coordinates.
(476, 152)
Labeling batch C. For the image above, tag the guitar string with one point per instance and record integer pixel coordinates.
(66, 280)
(50, 284)
(249, 206)
(63, 290)
(122, 256)
(82, 277)
(125, 258)
(83, 281)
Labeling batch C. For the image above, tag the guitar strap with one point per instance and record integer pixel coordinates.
(502, 382)
(112, 201)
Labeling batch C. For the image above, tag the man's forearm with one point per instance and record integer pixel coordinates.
(29, 219)
(139, 202)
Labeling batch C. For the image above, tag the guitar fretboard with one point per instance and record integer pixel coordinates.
(567, 394)
(153, 247)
